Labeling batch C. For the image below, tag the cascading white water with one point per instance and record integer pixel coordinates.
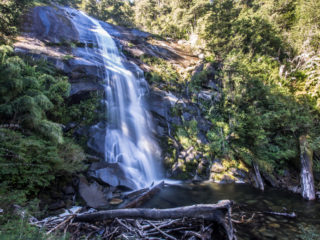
(128, 138)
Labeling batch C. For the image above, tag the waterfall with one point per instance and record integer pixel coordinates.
(128, 139)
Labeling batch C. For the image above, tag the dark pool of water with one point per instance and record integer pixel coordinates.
(248, 201)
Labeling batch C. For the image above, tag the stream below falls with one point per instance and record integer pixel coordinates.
(249, 200)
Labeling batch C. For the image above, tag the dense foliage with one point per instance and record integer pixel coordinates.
(31, 143)
(112, 11)
(10, 11)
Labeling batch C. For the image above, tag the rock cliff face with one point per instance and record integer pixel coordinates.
(49, 34)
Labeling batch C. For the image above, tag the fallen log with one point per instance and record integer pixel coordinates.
(204, 221)
(218, 213)
(204, 211)
(144, 196)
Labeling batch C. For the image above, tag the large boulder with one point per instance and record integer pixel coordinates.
(161, 104)
(125, 33)
(92, 193)
(111, 174)
(96, 139)
(158, 103)
(50, 25)
(49, 34)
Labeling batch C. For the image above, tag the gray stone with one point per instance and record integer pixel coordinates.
(203, 124)
(49, 24)
(201, 56)
(48, 33)
(69, 190)
(140, 34)
(57, 205)
(294, 189)
(202, 169)
(158, 103)
(161, 131)
(202, 139)
(190, 157)
(197, 178)
(205, 95)
(125, 33)
(177, 169)
(92, 194)
(197, 70)
(187, 116)
(270, 179)
(111, 174)
(217, 167)
(238, 173)
(96, 136)
(82, 87)
(226, 179)
(211, 84)
(56, 194)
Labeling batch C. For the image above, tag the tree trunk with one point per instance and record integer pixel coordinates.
(307, 181)
(258, 178)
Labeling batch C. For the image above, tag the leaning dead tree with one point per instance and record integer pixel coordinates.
(203, 221)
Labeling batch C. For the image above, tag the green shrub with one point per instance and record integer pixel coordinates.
(27, 95)
(30, 163)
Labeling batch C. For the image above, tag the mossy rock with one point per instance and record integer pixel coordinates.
(218, 167)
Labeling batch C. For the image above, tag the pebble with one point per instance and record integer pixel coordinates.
(274, 225)
(268, 202)
(271, 219)
(115, 201)
(262, 230)
(268, 234)
(251, 202)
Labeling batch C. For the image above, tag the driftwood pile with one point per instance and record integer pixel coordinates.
(204, 221)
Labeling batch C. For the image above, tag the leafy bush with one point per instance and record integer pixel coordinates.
(162, 72)
(258, 120)
(308, 232)
(26, 95)
(30, 163)
(14, 224)
(33, 100)
(10, 12)
(112, 11)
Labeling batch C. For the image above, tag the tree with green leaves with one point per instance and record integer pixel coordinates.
(33, 150)
(26, 93)
(113, 11)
